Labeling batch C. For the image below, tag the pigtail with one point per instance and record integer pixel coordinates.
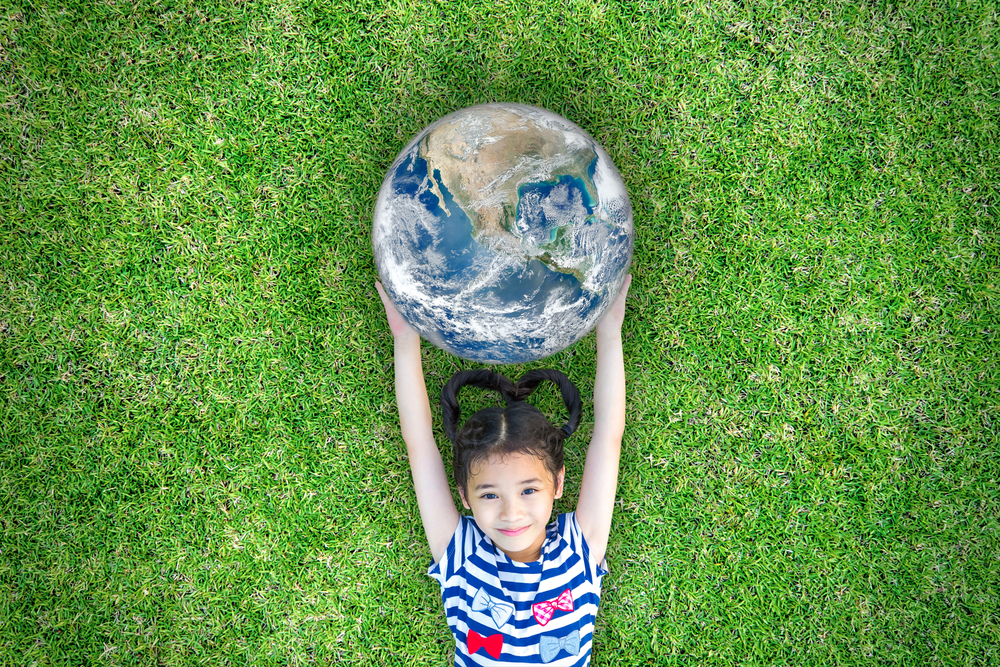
(570, 394)
(484, 379)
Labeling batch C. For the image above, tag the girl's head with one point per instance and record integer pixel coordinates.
(508, 462)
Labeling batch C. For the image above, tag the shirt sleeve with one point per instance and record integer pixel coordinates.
(462, 543)
(574, 534)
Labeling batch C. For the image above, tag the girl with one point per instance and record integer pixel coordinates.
(516, 588)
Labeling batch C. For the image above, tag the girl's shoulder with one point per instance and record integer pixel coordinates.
(571, 538)
(464, 543)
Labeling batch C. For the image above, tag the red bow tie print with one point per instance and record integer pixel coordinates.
(475, 641)
(543, 610)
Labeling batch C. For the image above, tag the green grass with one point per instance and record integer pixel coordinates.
(200, 460)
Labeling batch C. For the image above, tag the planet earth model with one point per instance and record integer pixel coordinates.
(502, 233)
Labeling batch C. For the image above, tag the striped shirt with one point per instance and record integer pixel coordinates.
(503, 612)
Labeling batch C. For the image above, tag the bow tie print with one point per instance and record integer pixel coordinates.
(550, 646)
(543, 611)
(500, 611)
(493, 644)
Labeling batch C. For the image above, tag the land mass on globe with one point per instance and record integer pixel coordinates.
(470, 157)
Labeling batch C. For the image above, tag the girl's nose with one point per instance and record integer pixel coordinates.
(511, 510)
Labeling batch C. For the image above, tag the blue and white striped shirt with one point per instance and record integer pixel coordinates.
(503, 612)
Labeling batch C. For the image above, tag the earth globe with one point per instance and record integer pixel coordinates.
(502, 233)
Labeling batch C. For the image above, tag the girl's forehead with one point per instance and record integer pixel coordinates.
(517, 467)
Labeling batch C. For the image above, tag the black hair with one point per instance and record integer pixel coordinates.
(515, 429)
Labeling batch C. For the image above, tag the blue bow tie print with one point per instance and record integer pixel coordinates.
(499, 611)
(552, 645)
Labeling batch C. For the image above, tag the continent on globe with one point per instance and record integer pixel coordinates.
(502, 233)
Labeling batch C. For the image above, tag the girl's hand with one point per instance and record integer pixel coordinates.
(613, 319)
(400, 328)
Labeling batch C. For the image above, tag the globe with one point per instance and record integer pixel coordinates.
(502, 233)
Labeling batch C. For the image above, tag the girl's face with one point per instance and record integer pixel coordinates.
(511, 499)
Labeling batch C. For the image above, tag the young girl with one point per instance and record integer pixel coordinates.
(516, 588)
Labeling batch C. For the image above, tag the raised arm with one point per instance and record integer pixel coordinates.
(437, 509)
(600, 472)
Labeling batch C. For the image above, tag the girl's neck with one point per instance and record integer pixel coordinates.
(528, 555)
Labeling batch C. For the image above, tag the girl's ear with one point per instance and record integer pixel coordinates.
(465, 502)
(559, 485)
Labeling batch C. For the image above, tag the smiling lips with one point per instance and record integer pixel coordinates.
(512, 533)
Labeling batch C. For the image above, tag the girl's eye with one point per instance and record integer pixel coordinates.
(528, 491)
(489, 496)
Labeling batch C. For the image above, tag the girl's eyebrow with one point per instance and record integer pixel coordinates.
(533, 480)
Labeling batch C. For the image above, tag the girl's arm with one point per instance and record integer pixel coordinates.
(437, 509)
(600, 472)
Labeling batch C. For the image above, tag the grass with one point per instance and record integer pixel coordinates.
(200, 460)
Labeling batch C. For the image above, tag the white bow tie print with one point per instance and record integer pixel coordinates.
(500, 611)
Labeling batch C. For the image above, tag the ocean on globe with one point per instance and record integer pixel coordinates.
(502, 233)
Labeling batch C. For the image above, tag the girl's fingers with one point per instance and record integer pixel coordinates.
(397, 324)
(624, 291)
(616, 314)
(386, 301)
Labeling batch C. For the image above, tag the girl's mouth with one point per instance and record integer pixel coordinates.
(512, 533)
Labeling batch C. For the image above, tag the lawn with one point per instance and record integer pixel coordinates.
(200, 458)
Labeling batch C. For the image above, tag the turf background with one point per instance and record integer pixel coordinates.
(199, 452)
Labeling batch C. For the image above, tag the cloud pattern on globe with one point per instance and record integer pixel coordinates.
(502, 233)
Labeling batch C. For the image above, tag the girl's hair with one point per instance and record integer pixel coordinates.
(518, 428)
